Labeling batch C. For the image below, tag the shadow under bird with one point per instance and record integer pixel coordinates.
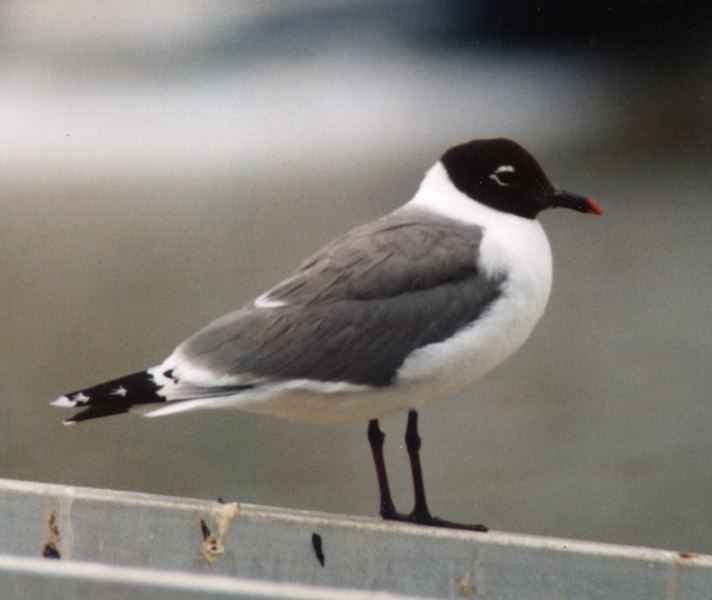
(398, 312)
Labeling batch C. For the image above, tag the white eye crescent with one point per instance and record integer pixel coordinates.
(506, 172)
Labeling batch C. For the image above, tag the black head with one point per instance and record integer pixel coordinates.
(503, 175)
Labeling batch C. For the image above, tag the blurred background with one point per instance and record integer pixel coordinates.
(164, 162)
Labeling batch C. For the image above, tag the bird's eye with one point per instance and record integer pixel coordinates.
(504, 175)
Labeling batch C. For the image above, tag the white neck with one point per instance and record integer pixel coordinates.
(438, 194)
(511, 243)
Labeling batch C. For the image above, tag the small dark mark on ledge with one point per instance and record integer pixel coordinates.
(49, 551)
(213, 547)
(316, 542)
(205, 529)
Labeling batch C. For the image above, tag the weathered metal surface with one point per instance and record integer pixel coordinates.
(134, 544)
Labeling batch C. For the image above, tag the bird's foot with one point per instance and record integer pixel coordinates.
(420, 518)
(438, 522)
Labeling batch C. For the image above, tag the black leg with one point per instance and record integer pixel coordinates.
(420, 514)
(376, 438)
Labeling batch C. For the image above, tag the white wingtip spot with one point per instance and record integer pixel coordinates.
(119, 391)
(71, 401)
(64, 402)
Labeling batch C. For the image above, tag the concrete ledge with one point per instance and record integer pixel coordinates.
(129, 545)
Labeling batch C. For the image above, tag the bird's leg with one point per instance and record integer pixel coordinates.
(420, 513)
(375, 439)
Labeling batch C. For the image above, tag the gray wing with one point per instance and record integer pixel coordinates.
(355, 310)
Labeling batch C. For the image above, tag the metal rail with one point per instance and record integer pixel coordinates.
(70, 542)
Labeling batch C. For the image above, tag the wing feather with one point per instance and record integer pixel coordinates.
(354, 311)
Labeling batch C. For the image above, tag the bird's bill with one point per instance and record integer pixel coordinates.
(574, 201)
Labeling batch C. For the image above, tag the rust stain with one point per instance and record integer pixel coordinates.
(49, 549)
(214, 545)
(463, 589)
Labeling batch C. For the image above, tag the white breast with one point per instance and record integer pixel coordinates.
(511, 245)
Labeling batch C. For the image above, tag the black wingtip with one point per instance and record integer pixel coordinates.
(96, 412)
(111, 398)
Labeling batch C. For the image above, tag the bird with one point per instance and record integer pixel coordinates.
(405, 309)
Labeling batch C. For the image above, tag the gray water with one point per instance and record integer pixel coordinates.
(136, 209)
